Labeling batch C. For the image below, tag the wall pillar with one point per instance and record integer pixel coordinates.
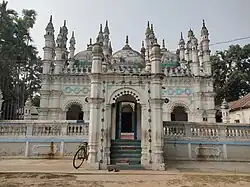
(144, 137)
(156, 105)
(107, 133)
(96, 139)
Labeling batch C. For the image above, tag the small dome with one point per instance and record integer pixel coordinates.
(127, 56)
(169, 59)
(84, 55)
(83, 58)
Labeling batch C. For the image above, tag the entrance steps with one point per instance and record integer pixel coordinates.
(126, 154)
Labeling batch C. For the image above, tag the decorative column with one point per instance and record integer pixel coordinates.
(144, 137)
(95, 107)
(27, 109)
(225, 112)
(156, 105)
(108, 133)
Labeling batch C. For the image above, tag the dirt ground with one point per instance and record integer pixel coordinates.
(120, 180)
(60, 173)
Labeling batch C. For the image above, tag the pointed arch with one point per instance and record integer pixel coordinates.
(125, 91)
(68, 104)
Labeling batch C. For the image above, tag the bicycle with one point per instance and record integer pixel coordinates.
(81, 154)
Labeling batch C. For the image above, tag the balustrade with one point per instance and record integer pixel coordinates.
(77, 129)
(13, 129)
(42, 128)
(191, 130)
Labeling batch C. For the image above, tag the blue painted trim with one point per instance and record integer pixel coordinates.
(42, 140)
(207, 142)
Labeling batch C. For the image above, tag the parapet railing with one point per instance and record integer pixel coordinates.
(43, 128)
(200, 131)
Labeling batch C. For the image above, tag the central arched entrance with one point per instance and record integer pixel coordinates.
(127, 117)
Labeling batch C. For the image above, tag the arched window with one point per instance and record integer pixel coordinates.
(179, 114)
(74, 112)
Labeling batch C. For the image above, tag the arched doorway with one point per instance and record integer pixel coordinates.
(127, 114)
(179, 114)
(74, 112)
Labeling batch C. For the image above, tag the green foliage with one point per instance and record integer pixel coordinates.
(20, 65)
(231, 71)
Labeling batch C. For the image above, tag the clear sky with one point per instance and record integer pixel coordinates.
(225, 19)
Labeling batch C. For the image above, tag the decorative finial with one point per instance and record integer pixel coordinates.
(106, 29)
(190, 33)
(148, 25)
(100, 28)
(73, 34)
(50, 20)
(163, 43)
(142, 43)
(152, 28)
(181, 35)
(64, 23)
(127, 40)
(203, 23)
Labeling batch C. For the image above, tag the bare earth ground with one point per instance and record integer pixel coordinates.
(59, 173)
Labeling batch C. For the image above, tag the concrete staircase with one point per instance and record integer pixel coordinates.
(126, 154)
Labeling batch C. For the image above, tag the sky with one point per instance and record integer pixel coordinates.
(225, 19)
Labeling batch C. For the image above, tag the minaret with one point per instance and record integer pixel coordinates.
(64, 35)
(206, 51)
(225, 112)
(106, 35)
(100, 37)
(195, 60)
(95, 108)
(72, 48)
(149, 42)
(188, 52)
(49, 46)
(59, 52)
(143, 50)
(156, 105)
(200, 54)
(110, 48)
(182, 48)
(163, 49)
(49, 50)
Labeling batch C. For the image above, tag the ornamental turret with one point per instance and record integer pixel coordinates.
(49, 46)
(182, 48)
(205, 49)
(72, 48)
(100, 37)
(195, 60)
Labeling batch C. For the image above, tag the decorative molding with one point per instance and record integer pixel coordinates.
(207, 151)
(177, 91)
(76, 90)
(125, 91)
(175, 104)
(68, 104)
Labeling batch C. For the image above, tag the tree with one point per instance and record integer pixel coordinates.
(231, 71)
(20, 65)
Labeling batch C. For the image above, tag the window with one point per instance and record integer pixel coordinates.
(237, 121)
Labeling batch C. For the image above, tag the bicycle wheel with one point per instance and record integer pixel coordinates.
(79, 158)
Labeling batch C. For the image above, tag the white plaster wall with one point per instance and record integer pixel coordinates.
(242, 115)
